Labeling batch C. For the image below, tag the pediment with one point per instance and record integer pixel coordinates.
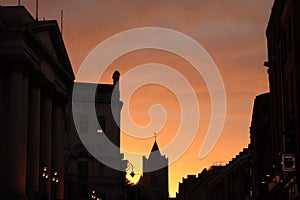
(49, 36)
(46, 40)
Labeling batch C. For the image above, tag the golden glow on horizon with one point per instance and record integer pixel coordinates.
(232, 140)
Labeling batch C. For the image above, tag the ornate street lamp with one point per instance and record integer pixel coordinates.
(94, 196)
(45, 177)
(130, 166)
(55, 180)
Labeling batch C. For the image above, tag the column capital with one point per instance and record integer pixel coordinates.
(18, 64)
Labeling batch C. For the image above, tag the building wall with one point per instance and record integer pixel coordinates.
(261, 145)
(231, 181)
(283, 61)
(35, 83)
(84, 172)
(234, 181)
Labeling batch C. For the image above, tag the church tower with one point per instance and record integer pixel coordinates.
(155, 175)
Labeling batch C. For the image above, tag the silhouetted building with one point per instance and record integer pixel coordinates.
(283, 62)
(194, 187)
(187, 185)
(155, 184)
(229, 182)
(261, 145)
(233, 183)
(86, 176)
(35, 79)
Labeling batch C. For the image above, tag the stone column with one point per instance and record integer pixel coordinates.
(15, 169)
(33, 149)
(25, 126)
(58, 147)
(46, 135)
(2, 127)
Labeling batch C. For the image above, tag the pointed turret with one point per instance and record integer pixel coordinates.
(155, 174)
(155, 152)
(155, 147)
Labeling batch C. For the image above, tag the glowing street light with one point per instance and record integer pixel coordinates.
(45, 173)
(45, 177)
(94, 196)
(55, 180)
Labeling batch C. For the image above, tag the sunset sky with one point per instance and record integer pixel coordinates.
(232, 32)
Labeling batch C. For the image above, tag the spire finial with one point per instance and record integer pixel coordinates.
(155, 146)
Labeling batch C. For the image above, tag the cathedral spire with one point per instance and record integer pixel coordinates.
(155, 146)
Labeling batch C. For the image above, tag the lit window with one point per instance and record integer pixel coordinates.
(99, 130)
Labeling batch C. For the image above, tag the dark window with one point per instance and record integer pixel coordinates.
(83, 167)
(102, 123)
(84, 123)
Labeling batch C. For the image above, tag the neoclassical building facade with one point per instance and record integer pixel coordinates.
(36, 78)
(41, 154)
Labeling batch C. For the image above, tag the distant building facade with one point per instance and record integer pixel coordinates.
(283, 67)
(155, 184)
(261, 146)
(232, 182)
(86, 176)
(194, 187)
(36, 78)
